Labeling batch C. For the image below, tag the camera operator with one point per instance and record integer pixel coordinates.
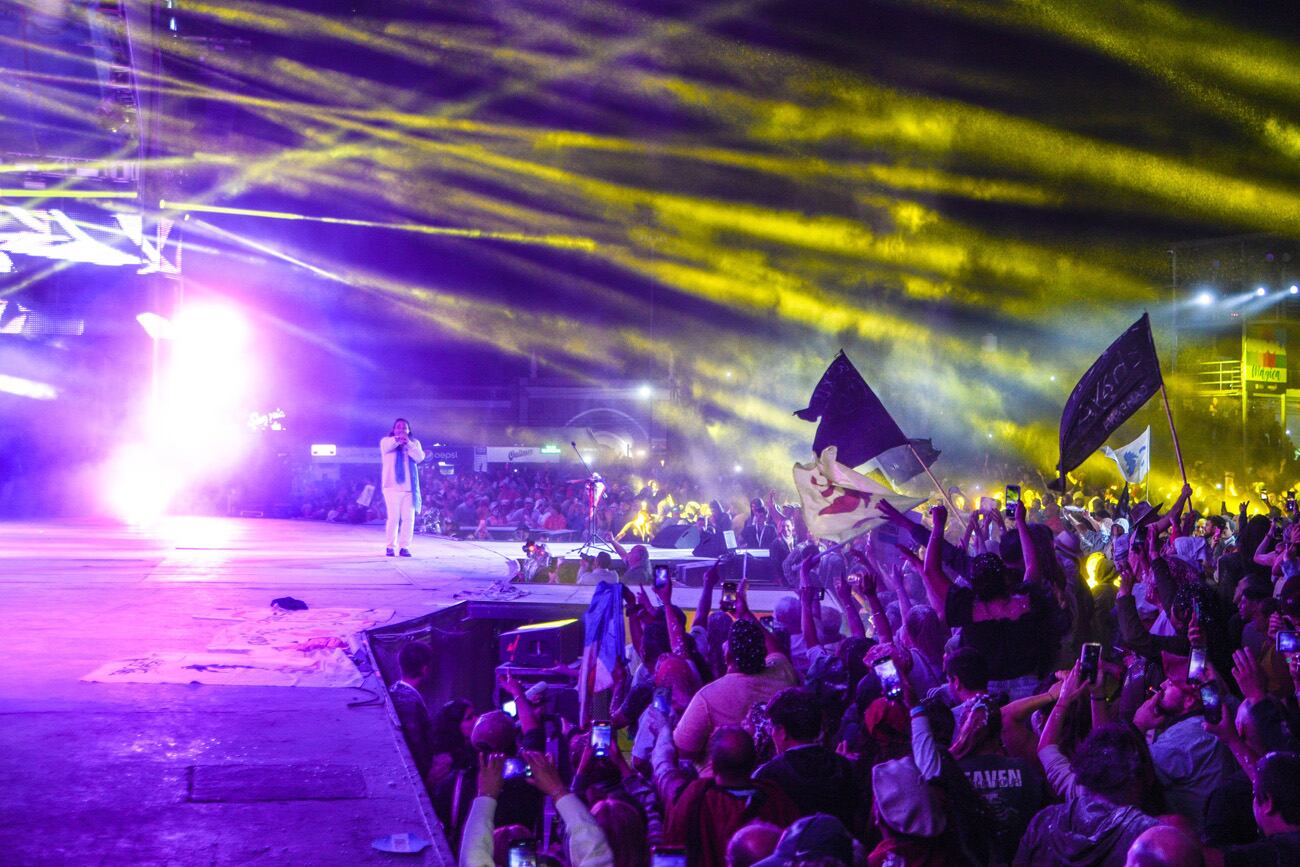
(538, 566)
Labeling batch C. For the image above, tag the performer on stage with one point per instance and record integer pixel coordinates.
(400, 455)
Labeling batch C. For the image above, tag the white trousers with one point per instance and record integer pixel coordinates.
(400, 507)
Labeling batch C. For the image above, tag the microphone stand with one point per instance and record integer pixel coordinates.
(590, 540)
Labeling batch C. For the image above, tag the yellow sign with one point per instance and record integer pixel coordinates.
(1263, 354)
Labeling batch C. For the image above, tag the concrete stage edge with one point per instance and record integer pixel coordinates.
(95, 773)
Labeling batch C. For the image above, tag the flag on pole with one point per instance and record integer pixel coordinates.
(1125, 376)
(603, 642)
(1134, 459)
(839, 503)
(1124, 505)
(852, 417)
(901, 464)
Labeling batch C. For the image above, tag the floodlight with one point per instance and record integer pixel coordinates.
(27, 387)
(157, 327)
(645, 391)
(1205, 299)
(1261, 292)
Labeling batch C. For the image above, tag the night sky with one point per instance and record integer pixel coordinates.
(971, 198)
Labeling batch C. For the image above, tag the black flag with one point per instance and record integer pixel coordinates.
(1122, 506)
(852, 417)
(1125, 376)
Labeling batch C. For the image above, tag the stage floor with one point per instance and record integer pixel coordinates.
(124, 773)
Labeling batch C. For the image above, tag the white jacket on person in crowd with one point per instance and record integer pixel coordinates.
(586, 842)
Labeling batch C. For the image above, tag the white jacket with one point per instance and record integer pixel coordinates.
(587, 844)
(388, 452)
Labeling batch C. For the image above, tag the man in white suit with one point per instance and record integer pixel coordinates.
(400, 455)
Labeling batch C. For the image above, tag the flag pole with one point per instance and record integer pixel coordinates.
(952, 507)
(1178, 451)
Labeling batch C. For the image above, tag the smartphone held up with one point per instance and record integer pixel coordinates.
(601, 738)
(890, 682)
(1012, 500)
(728, 601)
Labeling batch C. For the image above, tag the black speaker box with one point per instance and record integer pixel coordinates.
(714, 544)
(542, 645)
(677, 536)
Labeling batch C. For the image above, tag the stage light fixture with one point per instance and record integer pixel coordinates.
(1261, 292)
(1205, 299)
(1294, 290)
(737, 469)
(645, 391)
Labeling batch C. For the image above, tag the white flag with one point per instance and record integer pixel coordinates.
(1134, 459)
(839, 503)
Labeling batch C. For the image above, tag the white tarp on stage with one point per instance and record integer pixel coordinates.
(261, 647)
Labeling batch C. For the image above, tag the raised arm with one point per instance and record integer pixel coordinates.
(1265, 555)
(1174, 512)
(1071, 689)
(1033, 567)
(634, 626)
(676, 634)
(772, 512)
(852, 611)
(807, 599)
(529, 719)
(972, 531)
(937, 583)
(871, 593)
(621, 551)
(705, 606)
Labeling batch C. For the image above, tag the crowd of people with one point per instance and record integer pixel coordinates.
(523, 501)
(1056, 686)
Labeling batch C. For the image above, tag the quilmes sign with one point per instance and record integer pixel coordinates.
(1263, 354)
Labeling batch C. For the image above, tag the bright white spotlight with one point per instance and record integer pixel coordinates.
(1261, 292)
(137, 485)
(737, 469)
(645, 391)
(1205, 299)
(27, 387)
(204, 405)
(155, 326)
(1294, 290)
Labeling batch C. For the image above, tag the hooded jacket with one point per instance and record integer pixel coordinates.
(1082, 832)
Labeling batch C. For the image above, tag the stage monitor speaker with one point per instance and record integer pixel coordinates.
(761, 571)
(715, 544)
(542, 645)
(677, 536)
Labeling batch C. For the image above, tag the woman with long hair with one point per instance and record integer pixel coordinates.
(452, 751)
(625, 830)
